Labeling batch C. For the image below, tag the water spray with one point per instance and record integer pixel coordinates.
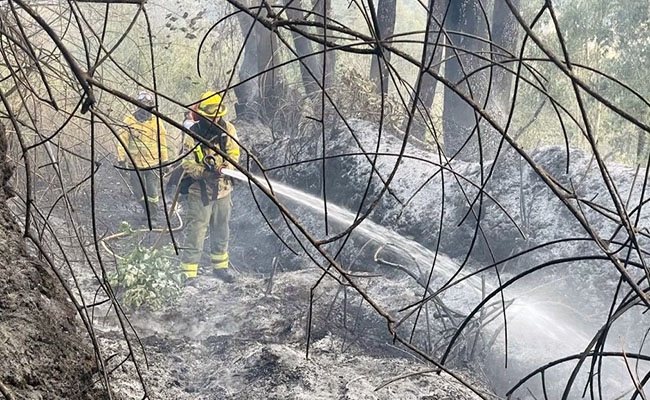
(545, 331)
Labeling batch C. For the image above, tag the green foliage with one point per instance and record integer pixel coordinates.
(606, 35)
(147, 278)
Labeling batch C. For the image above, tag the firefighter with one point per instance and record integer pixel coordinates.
(142, 136)
(208, 189)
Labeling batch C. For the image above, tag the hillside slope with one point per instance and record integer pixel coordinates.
(43, 353)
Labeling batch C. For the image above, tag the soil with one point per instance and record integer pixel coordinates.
(232, 341)
(44, 354)
(248, 339)
(245, 340)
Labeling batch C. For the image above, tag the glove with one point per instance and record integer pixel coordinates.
(121, 163)
(195, 170)
(216, 172)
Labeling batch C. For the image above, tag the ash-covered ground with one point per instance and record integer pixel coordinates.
(233, 341)
(248, 339)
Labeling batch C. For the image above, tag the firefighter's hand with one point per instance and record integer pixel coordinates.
(195, 170)
(121, 163)
(216, 172)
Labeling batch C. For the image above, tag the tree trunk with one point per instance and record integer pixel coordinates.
(324, 8)
(464, 16)
(258, 55)
(303, 47)
(505, 33)
(247, 93)
(433, 56)
(272, 88)
(386, 10)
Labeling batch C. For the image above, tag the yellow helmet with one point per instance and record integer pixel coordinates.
(210, 105)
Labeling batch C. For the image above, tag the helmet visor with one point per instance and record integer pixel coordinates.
(212, 110)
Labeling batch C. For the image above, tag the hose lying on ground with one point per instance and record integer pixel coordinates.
(162, 231)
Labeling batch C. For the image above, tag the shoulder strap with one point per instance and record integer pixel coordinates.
(223, 135)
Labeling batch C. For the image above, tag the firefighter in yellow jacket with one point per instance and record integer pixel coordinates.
(142, 136)
(208, 201)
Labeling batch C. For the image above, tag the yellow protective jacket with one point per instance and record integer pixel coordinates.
(141, 140)
(194, 166)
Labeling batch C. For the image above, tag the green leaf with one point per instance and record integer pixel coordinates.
(148, 278)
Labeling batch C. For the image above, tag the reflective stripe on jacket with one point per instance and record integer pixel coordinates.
(141, 140)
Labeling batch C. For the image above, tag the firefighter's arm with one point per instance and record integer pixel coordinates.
(232, 148)
(122, 145)
(164, 154)
(189, 164)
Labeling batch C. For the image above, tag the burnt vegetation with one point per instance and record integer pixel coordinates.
(340, 97)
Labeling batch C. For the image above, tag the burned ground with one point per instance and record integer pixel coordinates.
(248, 340)
(44, 351)
(222, 341)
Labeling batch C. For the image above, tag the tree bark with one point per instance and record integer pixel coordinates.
(505, 33)
(464, 17)
(386, 10)
(434, 51)
(324, 8)
(303, 47)
(247, 93)
(252, 96)
(272, 88)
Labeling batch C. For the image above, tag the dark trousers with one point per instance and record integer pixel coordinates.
(150, 195)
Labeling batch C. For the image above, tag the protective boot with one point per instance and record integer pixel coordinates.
(223, 274)
(191, 271)
(190, 282)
